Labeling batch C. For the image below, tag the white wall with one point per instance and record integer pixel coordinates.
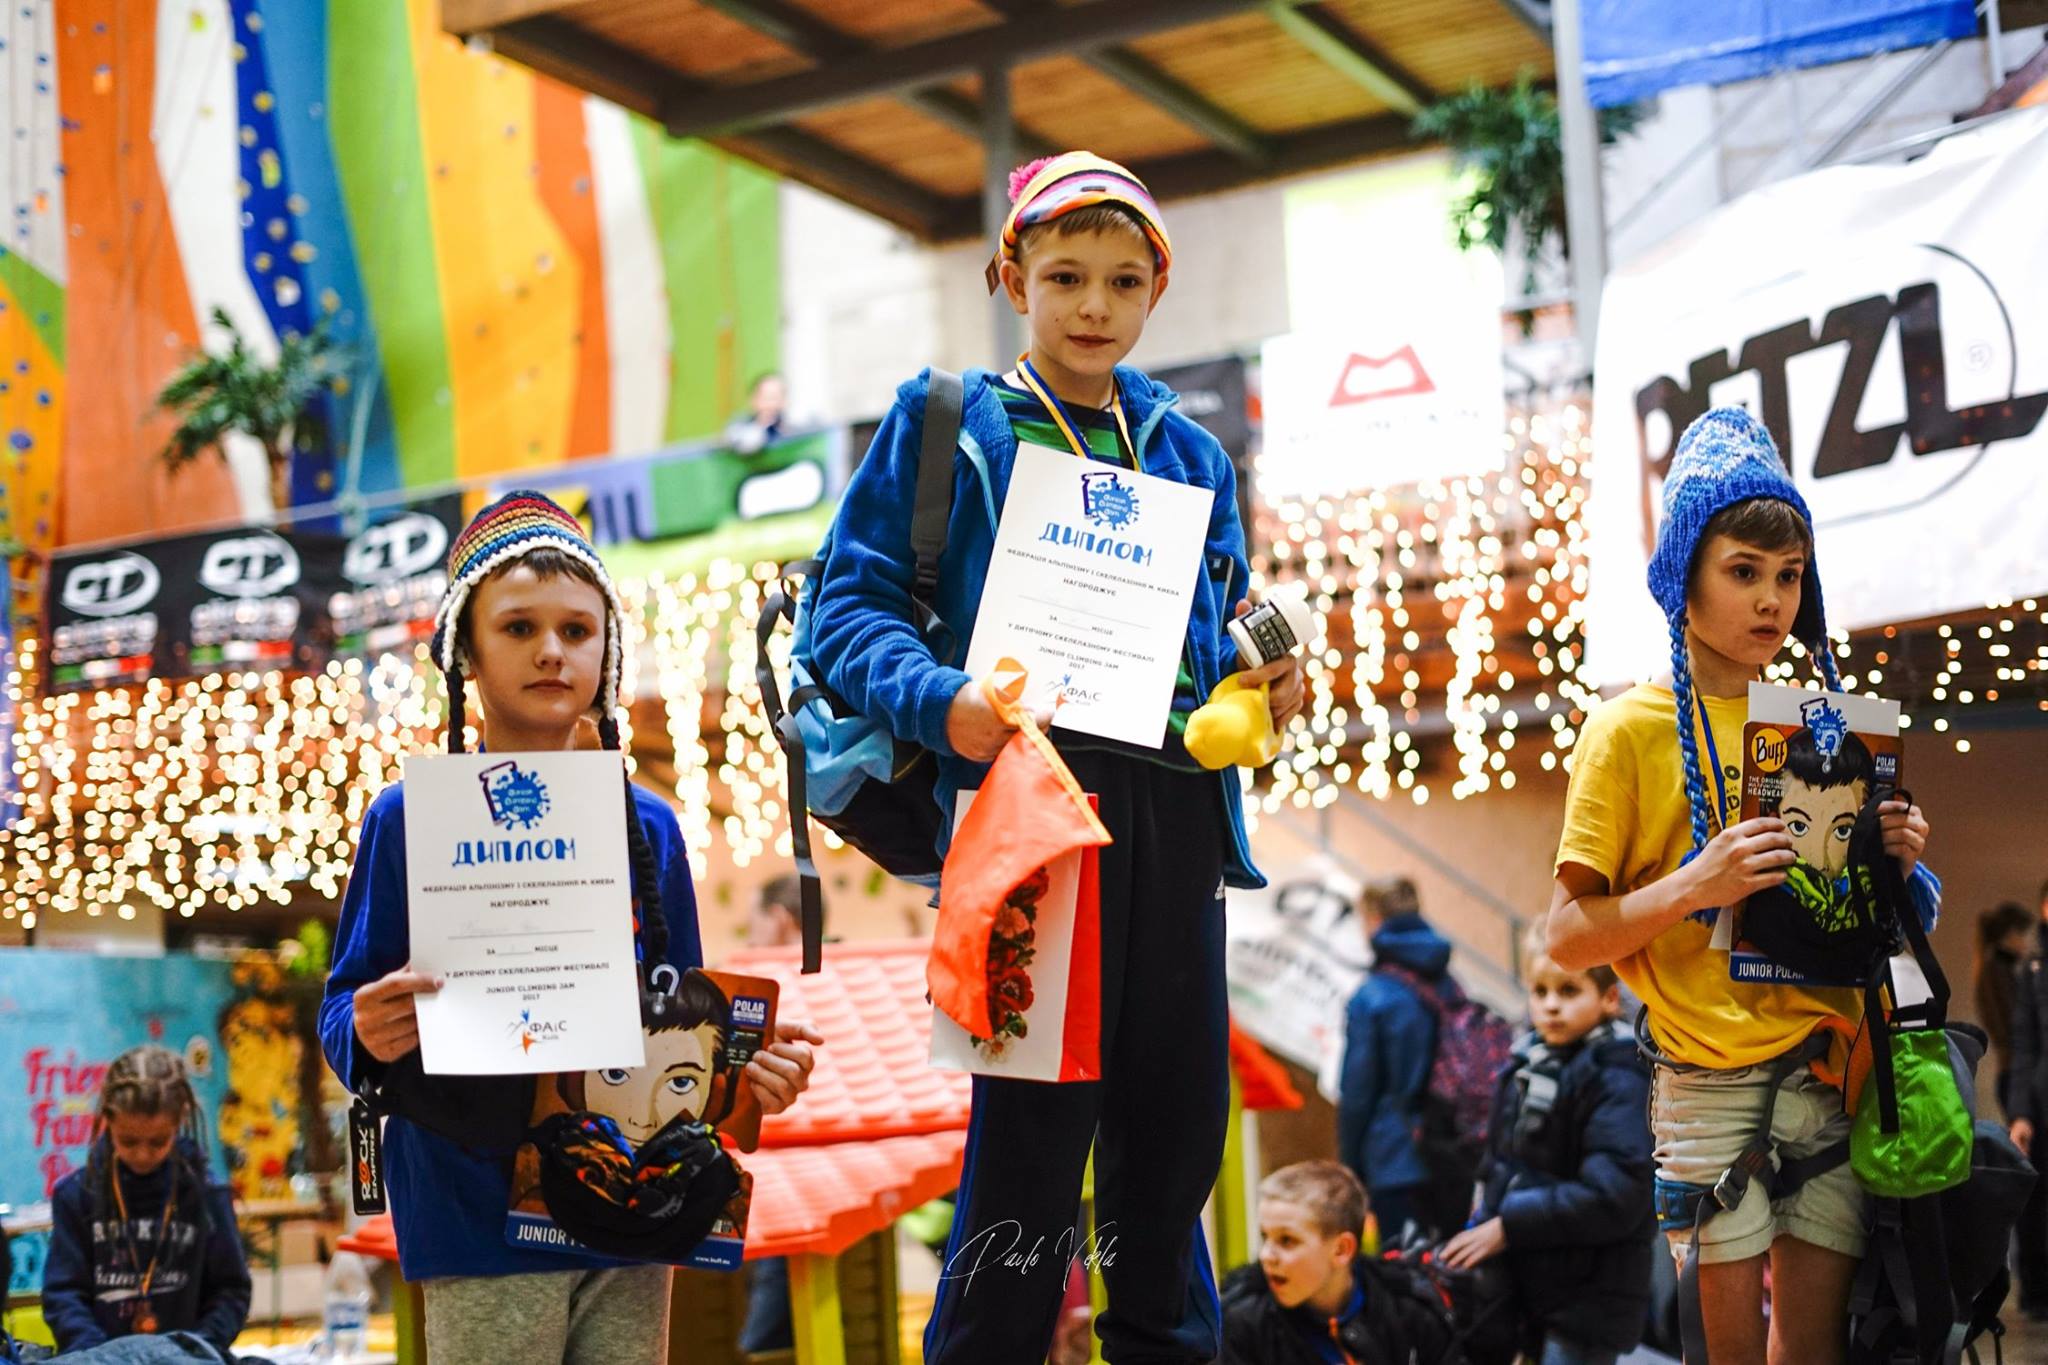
(1768, 128)
(865, 306)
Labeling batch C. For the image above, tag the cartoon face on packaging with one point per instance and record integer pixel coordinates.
(677, 1080)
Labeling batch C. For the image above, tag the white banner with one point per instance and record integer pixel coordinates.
(1412, 398)
(1294, 957)
(1889, 323)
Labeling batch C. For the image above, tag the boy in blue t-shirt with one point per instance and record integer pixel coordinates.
(1084, 257)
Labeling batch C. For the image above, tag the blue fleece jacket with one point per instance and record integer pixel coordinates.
(200, 1283)
(448, 1202)
(863, 640)
(1389, 1044)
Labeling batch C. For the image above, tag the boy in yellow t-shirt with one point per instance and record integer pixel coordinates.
(1651, 851)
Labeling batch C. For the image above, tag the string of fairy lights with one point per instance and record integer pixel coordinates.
(1449, 665)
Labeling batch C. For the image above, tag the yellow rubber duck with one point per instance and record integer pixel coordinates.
(1235, 726)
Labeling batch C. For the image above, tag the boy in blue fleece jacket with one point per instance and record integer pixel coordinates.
(1084, 257)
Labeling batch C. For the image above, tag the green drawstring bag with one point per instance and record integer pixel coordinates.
(1926, 1148)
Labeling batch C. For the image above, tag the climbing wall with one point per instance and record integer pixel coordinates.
(520, 275)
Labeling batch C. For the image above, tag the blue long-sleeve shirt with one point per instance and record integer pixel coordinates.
(91, 1279)
(448, 1202)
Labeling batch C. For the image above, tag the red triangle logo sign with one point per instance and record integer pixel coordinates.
(1367, 378)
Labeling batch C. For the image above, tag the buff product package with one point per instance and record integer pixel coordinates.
(640, 1159)
(1812, 759)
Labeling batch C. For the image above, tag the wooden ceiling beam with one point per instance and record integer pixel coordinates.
(803, 32)
(1214, 172)
(557, 48)
(1342, 48)
(1149, 82)
(466, 17)
(887, 71)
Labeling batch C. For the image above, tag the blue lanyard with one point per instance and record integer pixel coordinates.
(1713, 757)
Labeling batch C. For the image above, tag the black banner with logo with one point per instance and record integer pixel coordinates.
(247, 598)
(1213, 392)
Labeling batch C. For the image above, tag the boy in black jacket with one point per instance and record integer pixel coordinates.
(1312, 1299)
(1566, 1186)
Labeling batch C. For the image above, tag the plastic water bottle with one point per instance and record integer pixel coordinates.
(345, 1323)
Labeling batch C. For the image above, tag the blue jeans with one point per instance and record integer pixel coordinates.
(1559, 1350)
(173, 1348)
(768, 1327)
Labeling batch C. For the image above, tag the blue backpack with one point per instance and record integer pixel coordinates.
(845, 769)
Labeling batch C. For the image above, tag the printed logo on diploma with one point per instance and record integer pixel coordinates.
(1089, 588)
(520, 899)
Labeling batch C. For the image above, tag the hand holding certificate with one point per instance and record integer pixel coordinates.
(518, 890)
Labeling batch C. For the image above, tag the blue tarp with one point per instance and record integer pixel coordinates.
(1635, 48)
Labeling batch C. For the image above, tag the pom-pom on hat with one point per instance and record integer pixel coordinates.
(507, 530)
(1054, 186)
(1725, 457)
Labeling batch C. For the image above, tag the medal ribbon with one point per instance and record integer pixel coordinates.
(1033, 381)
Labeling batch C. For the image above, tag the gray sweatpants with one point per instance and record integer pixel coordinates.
(569, 1317)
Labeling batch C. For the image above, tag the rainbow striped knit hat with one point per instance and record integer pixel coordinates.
(1041, 191)
(516, 525)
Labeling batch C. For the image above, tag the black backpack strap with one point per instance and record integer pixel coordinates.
(1893, 901)
(810, 893)
(934, 505)
(781, 606)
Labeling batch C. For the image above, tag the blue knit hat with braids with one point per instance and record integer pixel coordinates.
(1725, 457)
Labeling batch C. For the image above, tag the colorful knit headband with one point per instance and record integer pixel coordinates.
(1044, 190)
(514, 526)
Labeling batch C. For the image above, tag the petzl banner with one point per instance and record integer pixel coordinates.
(1885, 322)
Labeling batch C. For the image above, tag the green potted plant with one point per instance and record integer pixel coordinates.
(1510, 140)
(273, 404)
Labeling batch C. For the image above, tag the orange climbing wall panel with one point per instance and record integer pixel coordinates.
(128, 312)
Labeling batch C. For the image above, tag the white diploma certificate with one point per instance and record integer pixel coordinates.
(520, 897)
(1089, 588)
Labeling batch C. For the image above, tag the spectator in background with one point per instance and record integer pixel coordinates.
(2003, 937)
(767, 412)
(1389, 1044)
(776, 920)
(2027, 1107)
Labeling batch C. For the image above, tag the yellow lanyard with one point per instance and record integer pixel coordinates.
(1029, 374)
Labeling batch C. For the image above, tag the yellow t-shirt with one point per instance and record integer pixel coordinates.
(1627, 818)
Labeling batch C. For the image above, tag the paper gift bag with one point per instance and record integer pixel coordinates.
(1061, 1018)
(1015, 969)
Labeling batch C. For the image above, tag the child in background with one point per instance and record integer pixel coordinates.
(141, 1241)
(1312, 1299)
(532, 618)
(1565, 1192)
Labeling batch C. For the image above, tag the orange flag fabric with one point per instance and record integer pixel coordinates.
(1029, 811)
